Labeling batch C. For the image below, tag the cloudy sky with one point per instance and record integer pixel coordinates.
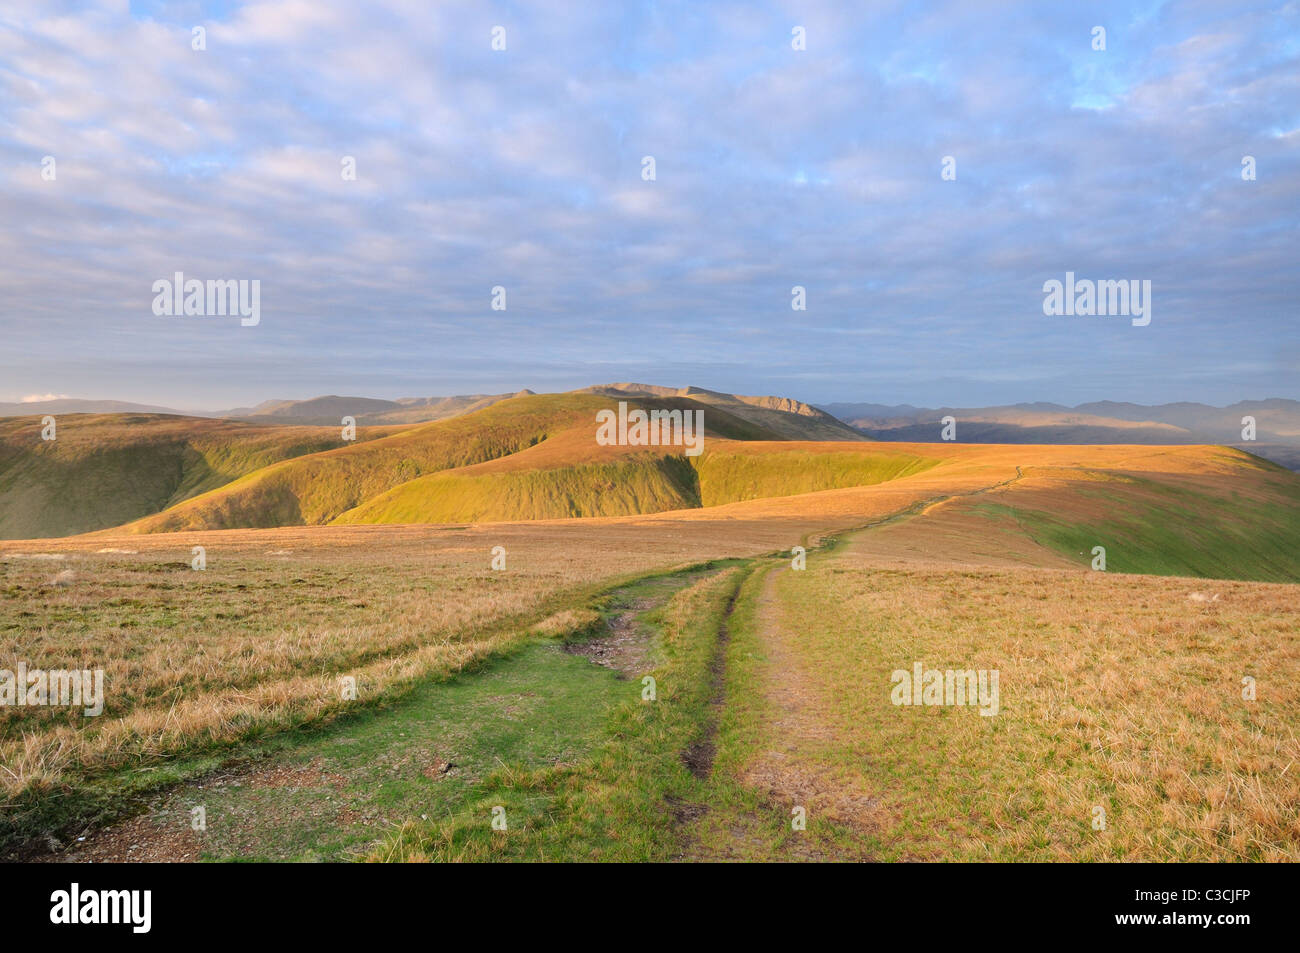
(775, 167)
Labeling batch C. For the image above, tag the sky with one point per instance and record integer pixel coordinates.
(523, 168)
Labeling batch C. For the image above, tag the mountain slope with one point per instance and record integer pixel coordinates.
(74, 405)
(105, 470)
(329, 410)
(321, 487)
(788, 418)
(540, 483)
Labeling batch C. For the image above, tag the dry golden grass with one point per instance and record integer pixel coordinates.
(1123, 692)
(260, 638)
(1118, 691)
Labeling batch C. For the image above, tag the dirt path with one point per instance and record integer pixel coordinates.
(699, 756)
(786, 770)
(629, 644)
(795, 765)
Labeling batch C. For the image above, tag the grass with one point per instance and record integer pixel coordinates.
(635, 483)
(634, 799)
(732, 477)
(332, 793)
(198, 664)
(1116, 691)
(317, 488)
(322, 487)
(640, 483)
(1120, 691)
(647, 483)
(1166, 527)
(630, 799)
(103, 470)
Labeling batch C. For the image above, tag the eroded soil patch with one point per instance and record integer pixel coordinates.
(629, 644)
(698, 757)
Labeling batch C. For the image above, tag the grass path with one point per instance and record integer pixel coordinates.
(334, 793)
(531, 734)
(1121, 700)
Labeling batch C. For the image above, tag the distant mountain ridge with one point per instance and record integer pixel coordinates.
(76, 405)
(792, 419)
(1277, 420)
(1277, 423)
(328, 410)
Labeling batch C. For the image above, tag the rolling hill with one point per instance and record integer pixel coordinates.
(329, 410)
(788, 418)
(559, 428)
(103, 470)
(1169, 508)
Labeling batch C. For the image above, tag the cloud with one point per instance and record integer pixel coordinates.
(35, 398)
(523, 168)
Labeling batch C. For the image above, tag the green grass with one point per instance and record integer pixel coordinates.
(634, 799)
(744, 823)
(733, 477)
(535, 709)
(626, 801)
(317, 488)
(105, 470)
(1163, 529)
(642, 484)
(321, 487)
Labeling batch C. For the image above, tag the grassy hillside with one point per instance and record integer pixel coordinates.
(329, 409)
(1211, 512)
(735, 474)
(107, 469)
(322, 487)
(644, 483)
(1163, 509)
(1121, 691)
(631, 483)
(1169, 527)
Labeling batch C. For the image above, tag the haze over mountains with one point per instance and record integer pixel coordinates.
(1277, 423)
(316, 411)
(1277, 420)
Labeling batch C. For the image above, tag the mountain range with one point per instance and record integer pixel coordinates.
(1277, 420)
(1277, 424)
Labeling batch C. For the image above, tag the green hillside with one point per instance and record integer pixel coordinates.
(733, 477)
(321, 487)
(1247, 529)
(103, 470)
(635, 483)
(639, 484)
